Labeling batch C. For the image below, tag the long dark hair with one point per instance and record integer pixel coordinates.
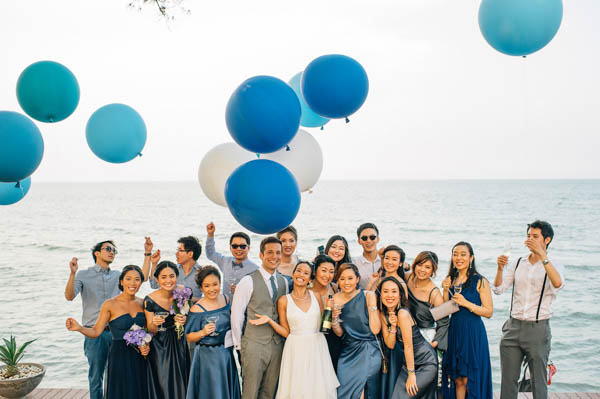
(471, 271)
(347, 258)
(403, 303)
(400, 251)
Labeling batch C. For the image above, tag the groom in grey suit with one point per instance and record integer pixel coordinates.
(261, 347)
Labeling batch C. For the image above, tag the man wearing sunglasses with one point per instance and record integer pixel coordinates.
(96, 284)
(233, 267)
(369, 262)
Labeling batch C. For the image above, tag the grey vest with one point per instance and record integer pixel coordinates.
(261, 303)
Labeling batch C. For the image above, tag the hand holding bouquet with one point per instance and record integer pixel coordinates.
(139, 338)
(182, 302)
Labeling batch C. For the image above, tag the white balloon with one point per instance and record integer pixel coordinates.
(304, 159)
(216, 167)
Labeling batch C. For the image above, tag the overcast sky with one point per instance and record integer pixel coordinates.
(442, 103)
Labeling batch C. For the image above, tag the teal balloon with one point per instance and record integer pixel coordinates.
(21, 147)
(519, 27)
(48, 91)
(116, 133)
(308, 117)
(11, 193)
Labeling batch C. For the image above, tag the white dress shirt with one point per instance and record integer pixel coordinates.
(241, 299)
(366, 268)
(528, 287)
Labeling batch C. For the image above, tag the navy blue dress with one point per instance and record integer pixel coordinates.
(360, 360)
(169, 358)
(128, 374)
(214, 374)
(426, 367)
(395, 359)
(468, 352)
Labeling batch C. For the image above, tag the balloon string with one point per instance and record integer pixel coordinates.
(257, 155)
(347, 120)
(287, 147)
(322, 128)
(139, 154)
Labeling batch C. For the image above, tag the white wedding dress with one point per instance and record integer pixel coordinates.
(306, 370)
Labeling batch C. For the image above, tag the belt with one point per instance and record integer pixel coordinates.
(208, 345)
(546, 321)
(107, 328)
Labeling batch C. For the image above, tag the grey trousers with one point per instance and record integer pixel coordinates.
(524, 338)
(260, 369)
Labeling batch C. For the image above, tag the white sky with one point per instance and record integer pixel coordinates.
(442, 103)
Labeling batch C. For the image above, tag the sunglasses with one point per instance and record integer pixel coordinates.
(240, 246)
(365, 238)
(110, 249)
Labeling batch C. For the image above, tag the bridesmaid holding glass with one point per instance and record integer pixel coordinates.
(466, 367)
(360, 359)
(170, 357)
(128, 374)
(214, 373)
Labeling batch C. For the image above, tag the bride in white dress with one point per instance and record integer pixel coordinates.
(306, 369)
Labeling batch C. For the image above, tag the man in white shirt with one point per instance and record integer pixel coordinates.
(536, 281)
(368, 263)
(261, 347)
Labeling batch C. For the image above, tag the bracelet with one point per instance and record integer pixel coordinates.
(372, 308)
(147, 254)
(392, 331)
(410, 370)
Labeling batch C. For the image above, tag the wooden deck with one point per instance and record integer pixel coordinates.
(58, 393)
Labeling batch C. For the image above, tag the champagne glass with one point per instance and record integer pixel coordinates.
(231, 282)
(338, 306)
(507, 249)
(213, 320)
(458, 288)
(164, 315)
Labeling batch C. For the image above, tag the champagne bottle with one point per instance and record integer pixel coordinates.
(326, 319)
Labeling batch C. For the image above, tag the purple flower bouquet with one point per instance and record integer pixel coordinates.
(137, 337)
(182, 302)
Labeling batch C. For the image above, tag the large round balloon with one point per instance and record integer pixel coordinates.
(304, 159)
(262, 196)
(21, 146)
(263, 114)
(11, 193)
(48, 91)
(116, 133)
(217, 165)
(309, 118)
(335, 86)
(519, 27)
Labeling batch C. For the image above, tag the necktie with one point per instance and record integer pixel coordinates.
(274, 297)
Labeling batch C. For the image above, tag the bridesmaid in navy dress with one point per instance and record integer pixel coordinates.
(417, 362)
(128, 372)
(214, 373)
(357, 323)
(466, 367)
(170, 356)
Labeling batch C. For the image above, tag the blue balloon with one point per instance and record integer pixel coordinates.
(11, 193)
(309, 118)
(116, 133)
(263, 196)
(519, 27)
(335, 86)
(48, 91)
(21, 147)
(263, 114)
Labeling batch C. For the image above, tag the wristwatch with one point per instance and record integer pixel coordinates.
(147, 254)
(545, 261)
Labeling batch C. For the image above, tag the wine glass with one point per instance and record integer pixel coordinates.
(164, 315)
(507, 249)
(213, 320)
(338, 306)
(458, 288)
(231, 282)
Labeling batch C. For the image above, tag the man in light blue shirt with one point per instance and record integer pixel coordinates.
(96, 284)
(187, 254)
(233, 267)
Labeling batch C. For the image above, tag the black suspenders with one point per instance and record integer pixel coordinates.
(537, 314)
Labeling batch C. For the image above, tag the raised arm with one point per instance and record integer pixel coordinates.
(92, 332)
(390, 330)
(73, 285)
(148, 245)
(211, 252)
(374, 321)
(487, 307)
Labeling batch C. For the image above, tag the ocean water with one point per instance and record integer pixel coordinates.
(59, 221)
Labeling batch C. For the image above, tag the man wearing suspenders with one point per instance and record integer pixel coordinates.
(536, 281)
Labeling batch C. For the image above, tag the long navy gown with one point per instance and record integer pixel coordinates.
(169, 358)
(128, 374)
(214, 373)
(468, 353)
(360, 360)
(426, 367)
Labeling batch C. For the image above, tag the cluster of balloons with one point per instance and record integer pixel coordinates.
(48, 92)
(519, 27)
(264, 115)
